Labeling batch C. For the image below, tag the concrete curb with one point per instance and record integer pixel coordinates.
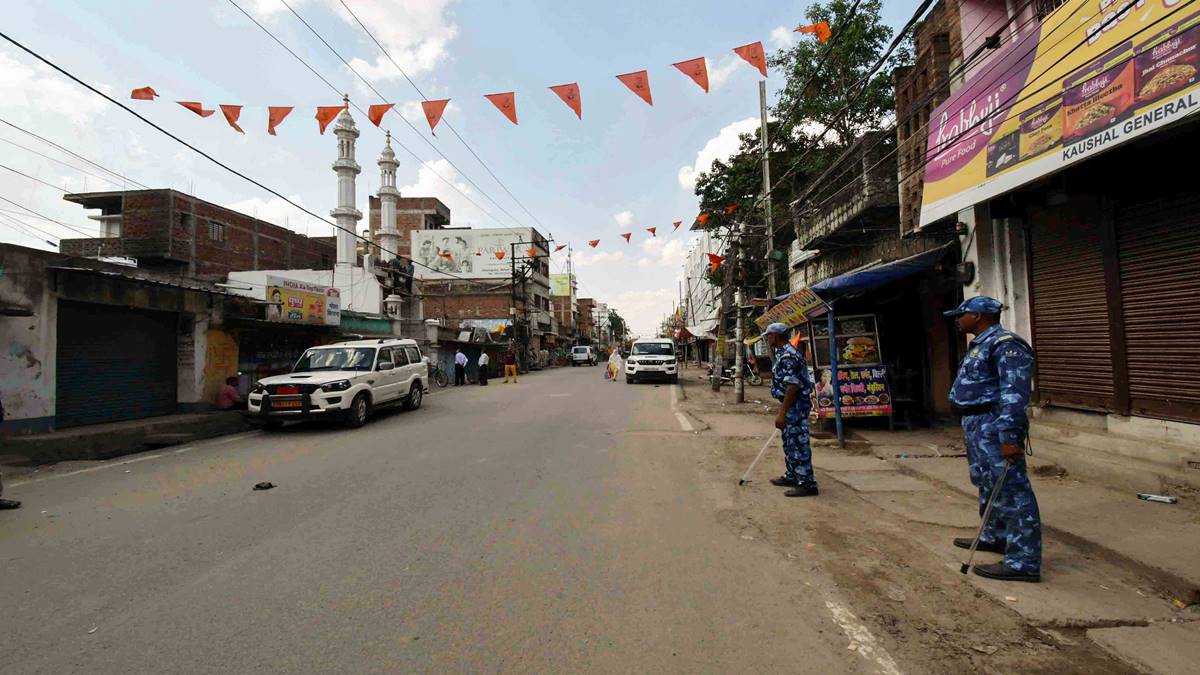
(1178, 586)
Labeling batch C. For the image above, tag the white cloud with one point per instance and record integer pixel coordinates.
(624, 220)
(659, 252)
(724, 69)
(783, 37)
(278, 212)
(644, 309)
(585, 259)
(35, 92)
(722, 146)
(415, 32)
(462, 211)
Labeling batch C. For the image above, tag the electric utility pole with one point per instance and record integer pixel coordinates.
(739, 358)
(766, 196)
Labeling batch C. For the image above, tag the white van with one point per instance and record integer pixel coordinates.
(652, 358)
(583, 356)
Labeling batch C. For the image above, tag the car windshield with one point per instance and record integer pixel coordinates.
(581, 350)
(335, 358)
(654, 348)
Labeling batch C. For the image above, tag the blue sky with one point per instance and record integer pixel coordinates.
(624, 167)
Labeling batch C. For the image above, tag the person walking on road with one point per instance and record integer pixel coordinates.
(510, 365)
(484, 360)
(792, 387)
(614, 365)
(460, 368)
(991, 394)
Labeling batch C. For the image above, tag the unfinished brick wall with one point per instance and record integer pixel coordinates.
(412, 213)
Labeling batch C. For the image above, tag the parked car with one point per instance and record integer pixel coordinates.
(346, 381)
(583, 356)
(652, 358)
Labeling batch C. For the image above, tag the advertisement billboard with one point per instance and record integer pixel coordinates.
(560, 285)
(474, 254)
(795, 309)
(292, 301)
(1089, 77)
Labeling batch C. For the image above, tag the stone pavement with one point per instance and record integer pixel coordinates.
(1126, 570)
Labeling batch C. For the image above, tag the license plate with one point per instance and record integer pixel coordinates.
(285, 404)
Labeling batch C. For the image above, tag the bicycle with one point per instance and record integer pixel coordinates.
(438, 376)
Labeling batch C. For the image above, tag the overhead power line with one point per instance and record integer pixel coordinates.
(71, 153)
(446, 122)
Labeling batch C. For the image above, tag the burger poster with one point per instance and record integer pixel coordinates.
(864, 392)
(1090, 76)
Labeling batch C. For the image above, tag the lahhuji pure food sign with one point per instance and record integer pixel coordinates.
(1092, 75)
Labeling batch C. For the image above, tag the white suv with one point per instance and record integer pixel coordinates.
(652, 358)
(583, 356)
(346, 380)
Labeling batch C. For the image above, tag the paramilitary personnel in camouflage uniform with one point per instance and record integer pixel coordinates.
(991, 394)
(792, 387)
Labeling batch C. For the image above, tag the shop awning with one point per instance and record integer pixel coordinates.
(861, 281)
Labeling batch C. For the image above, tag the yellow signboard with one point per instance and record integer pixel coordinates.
(1092, 75)
(795, 309)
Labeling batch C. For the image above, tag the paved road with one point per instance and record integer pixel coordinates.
(554, 525)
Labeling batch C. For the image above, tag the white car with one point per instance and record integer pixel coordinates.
(652, 358)
(583, 356)
(346, 381)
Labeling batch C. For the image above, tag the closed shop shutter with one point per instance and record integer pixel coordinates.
(1070, 310)
(1158, 246)
(114, 364)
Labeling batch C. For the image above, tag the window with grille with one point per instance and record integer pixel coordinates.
(1047, 7)
(216, 231)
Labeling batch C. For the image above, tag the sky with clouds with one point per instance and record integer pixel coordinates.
(624, 167)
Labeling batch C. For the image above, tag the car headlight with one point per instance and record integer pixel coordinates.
(340, 385)
(258, 388)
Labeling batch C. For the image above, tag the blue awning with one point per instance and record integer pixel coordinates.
(862, 281)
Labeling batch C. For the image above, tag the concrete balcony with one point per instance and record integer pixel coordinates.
(858, 194)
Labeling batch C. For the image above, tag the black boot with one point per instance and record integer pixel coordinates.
(783, 481)
(1002, 572)
(987, 547)
(9, 504)
(806, 490)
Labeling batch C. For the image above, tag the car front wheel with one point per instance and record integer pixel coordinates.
(360, 408)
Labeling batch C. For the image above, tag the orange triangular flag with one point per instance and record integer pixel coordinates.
(754, 55)
(232, 113)
(433, 111)
(376, 112)
(627, 235)
(275, 115)
(702, 219)
(638, 83)
(326, 114)
(715, 260)
(652, 231)
(820, 29)
(796, 340)
(143, 94)
(499, 255)
(505, 103)
(559, 247)
(195, 107)
(731, 208)
(594, 243)
(697, 69)
(531, 252)
(569, 93)
(677, 224)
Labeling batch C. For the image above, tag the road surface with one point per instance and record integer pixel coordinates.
(555, 525)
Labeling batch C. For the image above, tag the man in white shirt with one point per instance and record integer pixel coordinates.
(460, 368)
(484, 360)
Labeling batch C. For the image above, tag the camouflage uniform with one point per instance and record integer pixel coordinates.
(997, 371)
(790, 369)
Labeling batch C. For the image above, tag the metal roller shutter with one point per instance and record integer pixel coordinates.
(1158, 245)
(1070, 312)
(114, 364)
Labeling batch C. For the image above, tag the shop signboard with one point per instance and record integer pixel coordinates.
(1090, 76)
(292, 301)
(795, 309)
(863, 389)
(561, 285)
(475, 254)
(857, 340)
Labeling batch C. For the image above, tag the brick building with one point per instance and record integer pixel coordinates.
(171, 232)
(586, 330)
(919, 90)
(412, 213)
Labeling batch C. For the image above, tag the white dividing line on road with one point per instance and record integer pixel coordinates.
(683, 420)
(178, 451)
(861, 639)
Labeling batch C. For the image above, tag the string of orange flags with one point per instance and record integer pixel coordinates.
(637, 82)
